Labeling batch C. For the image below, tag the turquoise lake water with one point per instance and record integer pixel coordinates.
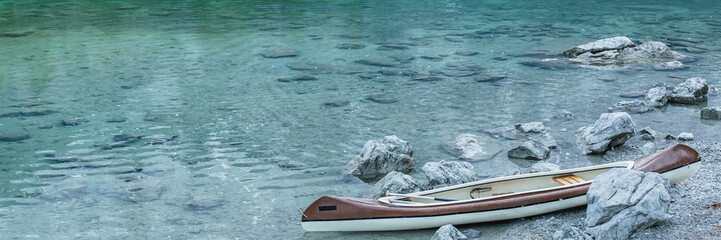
(165, 120)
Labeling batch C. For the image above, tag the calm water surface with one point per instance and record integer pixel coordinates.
(165, 120)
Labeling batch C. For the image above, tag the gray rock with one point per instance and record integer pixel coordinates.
(379, 157)
(279, 53)
(614, 43)
(711, 113)
(395, 182)
(338, 102)
(449, 173)
(634, 106)
(544, 167)
(571, 233)
(529, 150)
(610, 130)
(448, 232)
(647, 134)
(14, 135)
(472, 233)
(657, 97)
(685, 136)
(693, 90)
(648, 148)
(623, 201)
(669, 137)
(473, 147)
(126, 137)
(536, 131)
(649, 50)
(382, 98)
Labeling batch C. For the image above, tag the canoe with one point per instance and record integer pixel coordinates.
(486, 200)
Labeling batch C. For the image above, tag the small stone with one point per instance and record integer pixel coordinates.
(544, 167)
(647, 134)
(298, 78)
(685, 136)
(338, 102)
(711, 113)
(657, 97)
(382, 98)
(648, 148)
(279, 53)
(669, 137)
(448, 232)
(529, 150)
(472, 233)
(14, 135)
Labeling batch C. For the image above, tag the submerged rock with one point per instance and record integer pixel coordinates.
(693, 90)
(610, 130)
(377, 62)
(449, 173)
(72, 121)
(490, 77)
(472, 147)
(635, 106)
(668, 66)
(279, 53)
(711, 113)
(382, 98)
(338, 102)
(350, 46)
(202, 202)
(16, 34)
(448, 232)
(657, 97)
(549, 63)
(529, 150)
(379, 157)
(395, 182)
(623, 201)
(297, 78)
(14, 135)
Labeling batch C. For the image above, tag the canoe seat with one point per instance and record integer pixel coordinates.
(568, 179)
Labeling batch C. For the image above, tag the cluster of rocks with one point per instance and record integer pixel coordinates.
(621, 50)
(692, 91)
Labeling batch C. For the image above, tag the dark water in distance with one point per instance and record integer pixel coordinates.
(164, 119)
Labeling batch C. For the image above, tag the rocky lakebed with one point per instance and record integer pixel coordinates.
(223, 119)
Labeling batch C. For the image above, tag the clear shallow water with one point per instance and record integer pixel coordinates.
(228, 151)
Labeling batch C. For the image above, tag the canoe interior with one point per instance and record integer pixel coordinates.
(510, 185)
